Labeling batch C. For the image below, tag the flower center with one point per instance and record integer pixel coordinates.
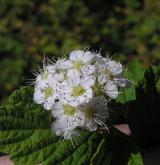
(78, 65)
(108, 73)
(78, 91)
(89, 111)
(98, 89)
(48, 92)
(69, 110)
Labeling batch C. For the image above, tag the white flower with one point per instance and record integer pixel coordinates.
(88, 116)
(107, 69)
(114, 68)
(95, 113)
(47, 74)
(46, 93)
(82, 61)
(69, 114)
(54, 70)
(43, 78)
(77, 90)
(59, 69)
(67, 118)
(109, 73)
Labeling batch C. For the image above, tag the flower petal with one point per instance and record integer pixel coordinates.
(57, 109)
(87, 82)
(88, 69)
(76, 55)
(122, 82)
(91, 125)
(88, 57)
(114, 67)
(111, 89)
(73, 78)
(49, 103)
(38, 96)
(102, 79)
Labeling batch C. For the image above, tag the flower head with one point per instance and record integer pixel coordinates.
(67, 118)
(77, 90)
(95, 113)
(82, 61)
(47, 95)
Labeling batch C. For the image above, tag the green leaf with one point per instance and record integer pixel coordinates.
(143, 113)
(123, 149)
(25, 135)
(135, 159)
(103, 153)
(136, 70)
(135, 73)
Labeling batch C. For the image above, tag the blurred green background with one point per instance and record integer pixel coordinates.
(128, 29)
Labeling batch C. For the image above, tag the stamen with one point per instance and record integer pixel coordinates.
(78, 91)
(48, 92)
(69, 110)
(78, 65)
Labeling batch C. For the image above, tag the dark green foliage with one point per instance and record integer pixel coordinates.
(141, 110)
(30, 28)
(135, 159)
(25, 135)
(143, 113)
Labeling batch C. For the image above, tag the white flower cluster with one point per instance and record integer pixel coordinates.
(76, 90)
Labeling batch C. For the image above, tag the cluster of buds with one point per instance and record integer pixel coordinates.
(77, 90)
